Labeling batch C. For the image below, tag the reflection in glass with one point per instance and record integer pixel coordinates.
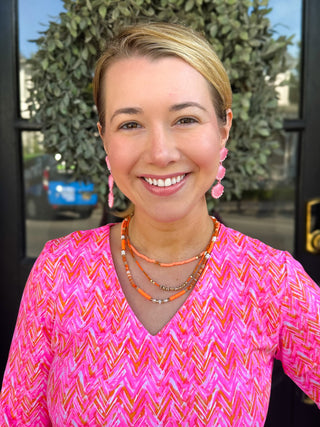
(274, 201)
(268, 212)
(288, 21)
(25, 86)
(34, 17)
(55, 202)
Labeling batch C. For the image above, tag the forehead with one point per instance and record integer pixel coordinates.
(142, 77)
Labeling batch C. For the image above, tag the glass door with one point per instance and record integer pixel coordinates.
(55, 207)
(268, 213)
(55, 202)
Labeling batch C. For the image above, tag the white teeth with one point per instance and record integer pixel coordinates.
(164, 182)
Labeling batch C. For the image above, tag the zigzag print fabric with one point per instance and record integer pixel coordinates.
(80, 357)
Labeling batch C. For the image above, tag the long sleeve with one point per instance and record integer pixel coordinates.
(23, 395)
(299, 346)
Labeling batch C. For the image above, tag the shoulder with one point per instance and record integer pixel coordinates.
(259, 264)
(242, 248)
(71, 266)
(73, 254)
(254, 265)
(79, 242)
(80, 238)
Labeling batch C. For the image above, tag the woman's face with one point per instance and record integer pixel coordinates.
(161, 135)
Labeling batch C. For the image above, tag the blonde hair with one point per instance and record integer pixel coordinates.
(157, 40)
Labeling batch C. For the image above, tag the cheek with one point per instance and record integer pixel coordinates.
(206, 153)
(118, 152)
(122, 157)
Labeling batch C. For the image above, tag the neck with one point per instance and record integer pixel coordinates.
(171, 241)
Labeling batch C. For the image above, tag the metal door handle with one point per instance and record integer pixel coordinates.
(313, 226)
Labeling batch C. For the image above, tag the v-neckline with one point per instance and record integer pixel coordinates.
(185, 307)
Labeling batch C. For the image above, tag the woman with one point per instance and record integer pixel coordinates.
(168, 318)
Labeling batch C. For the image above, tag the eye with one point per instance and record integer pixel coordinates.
(129, 125)
(187, 121)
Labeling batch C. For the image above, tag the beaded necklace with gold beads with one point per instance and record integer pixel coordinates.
(185, 286)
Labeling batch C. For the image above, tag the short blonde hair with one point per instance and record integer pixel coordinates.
(158, 40)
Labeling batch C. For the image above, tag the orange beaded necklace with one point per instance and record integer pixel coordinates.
(185, 286)
(133, 250)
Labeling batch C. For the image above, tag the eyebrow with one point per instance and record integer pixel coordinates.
(126, 110)
(175, 107)
(183, 105)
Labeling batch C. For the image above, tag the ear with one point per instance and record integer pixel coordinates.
(225, 128)
(100, 130)
(102, 136)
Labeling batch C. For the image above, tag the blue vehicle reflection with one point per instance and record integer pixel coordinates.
(50, 188)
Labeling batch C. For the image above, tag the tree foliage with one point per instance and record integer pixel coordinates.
(239, 31)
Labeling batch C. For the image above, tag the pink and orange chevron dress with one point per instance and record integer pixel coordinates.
(80, 357)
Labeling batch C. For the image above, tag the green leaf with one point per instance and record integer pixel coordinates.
(213, 30)
(89, 5)
(262, 158)
(124, 10)
(223, 19)
(62, 129)
(92, 49)
(189, 5)
(51, 45)
(83, 23)
(226, 29)
(85, 54)
(45, 64)
(73, 24)
(102, 11)
(255, 43)
(63, 109)
(244, 115)
(59, 44)
(73, 32)
(243, 35)
(57, 92)
(76, 123)
(263, 131)
(115, 14)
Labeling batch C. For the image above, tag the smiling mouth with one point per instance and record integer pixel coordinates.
(167, 182)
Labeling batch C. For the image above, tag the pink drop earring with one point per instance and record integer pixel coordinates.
(110, 183)
(218, 189)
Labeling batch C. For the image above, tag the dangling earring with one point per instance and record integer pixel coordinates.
(218, 189)
(110, 183)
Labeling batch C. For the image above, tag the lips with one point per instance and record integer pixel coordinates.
(164, 182)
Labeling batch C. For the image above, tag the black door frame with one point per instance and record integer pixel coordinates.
(11, 214)
(15, 266)
(309, 171)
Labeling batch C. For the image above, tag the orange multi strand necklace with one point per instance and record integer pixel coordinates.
(185, 286)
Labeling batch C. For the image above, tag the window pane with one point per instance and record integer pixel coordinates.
(268, 213)
(34, 17)
(55, 202)
(286, 19)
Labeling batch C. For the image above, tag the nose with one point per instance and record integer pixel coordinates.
(162, 147)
